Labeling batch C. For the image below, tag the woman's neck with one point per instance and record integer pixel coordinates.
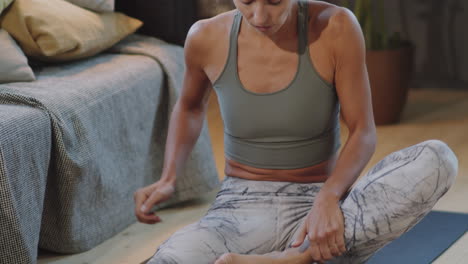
(286, 32)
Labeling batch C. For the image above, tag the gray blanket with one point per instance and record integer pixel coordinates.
(107, 117)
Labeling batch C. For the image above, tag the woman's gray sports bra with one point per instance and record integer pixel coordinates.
(295, 127)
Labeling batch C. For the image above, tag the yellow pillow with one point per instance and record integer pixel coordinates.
(56, 30)
(4, 4)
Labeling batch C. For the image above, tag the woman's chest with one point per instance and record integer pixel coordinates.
(270, 69)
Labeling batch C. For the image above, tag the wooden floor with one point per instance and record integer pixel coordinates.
(429, 114)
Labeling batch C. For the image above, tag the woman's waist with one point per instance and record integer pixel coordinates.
(233, 185)
(312, 174)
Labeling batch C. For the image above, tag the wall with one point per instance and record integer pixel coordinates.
(439, 30)
(209, 8)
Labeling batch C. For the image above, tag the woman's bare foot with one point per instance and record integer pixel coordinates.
(289, 256)
(232, 258)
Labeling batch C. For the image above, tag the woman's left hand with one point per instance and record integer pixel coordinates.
(324, 227)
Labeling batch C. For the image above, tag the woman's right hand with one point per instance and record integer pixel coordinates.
(148, 196)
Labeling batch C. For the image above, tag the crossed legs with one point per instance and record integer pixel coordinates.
(390, 199)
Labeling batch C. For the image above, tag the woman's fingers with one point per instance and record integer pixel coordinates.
(301, 235)
(314, 248)
(157, 196)
(340, 241)
(140, 196)
(323, 237)
(333, 246)
(145, 198)
(324, 227)
(324, 244)
(339, 236)
(149, 218)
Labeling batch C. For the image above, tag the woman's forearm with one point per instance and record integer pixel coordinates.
(354, 156)
(184, 129)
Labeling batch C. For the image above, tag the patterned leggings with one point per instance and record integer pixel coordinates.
(258, 217)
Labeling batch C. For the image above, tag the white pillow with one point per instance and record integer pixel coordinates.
(95, 5)
(14, 64)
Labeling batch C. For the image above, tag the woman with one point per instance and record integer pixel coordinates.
(283, 71)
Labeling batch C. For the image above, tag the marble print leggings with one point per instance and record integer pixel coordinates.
(258, 217)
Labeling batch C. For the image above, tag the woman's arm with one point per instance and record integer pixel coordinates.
(353, 89)
(190, 110)
(185, 124)
(324, 225)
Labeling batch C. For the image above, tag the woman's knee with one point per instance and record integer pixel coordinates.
(425, 170)
(446, 157)
(387, 203)
(428, 172)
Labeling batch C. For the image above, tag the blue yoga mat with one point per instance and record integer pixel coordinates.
(425, 241)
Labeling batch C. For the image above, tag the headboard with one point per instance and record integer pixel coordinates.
(169, 20)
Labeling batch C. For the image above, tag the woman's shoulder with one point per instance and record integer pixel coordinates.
(208, 38)
(209, 29)
(329, 19)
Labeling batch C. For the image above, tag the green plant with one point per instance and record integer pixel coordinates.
(373, 24)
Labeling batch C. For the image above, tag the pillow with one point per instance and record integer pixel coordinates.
(4, 4)
(14, 65)
(55, 30)
(95, 5)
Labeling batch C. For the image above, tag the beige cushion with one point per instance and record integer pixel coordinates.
(4, 4)
(14, 65)
(95, 5)
(56, 30)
